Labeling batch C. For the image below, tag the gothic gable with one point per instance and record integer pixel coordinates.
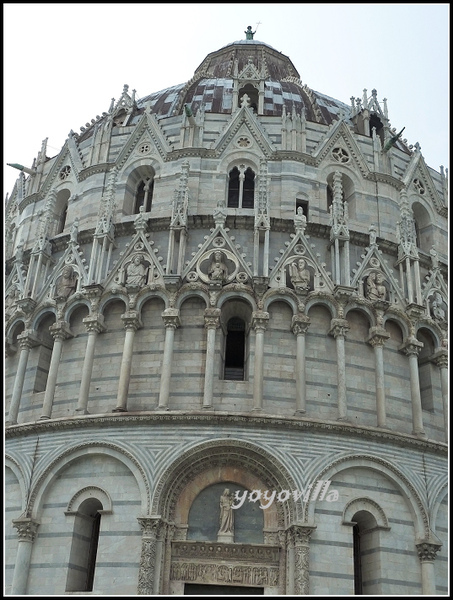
(219, 248)
(244, 124)
(339, 144)
(146, 132)
(418, 178)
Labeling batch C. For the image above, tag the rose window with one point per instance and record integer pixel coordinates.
(65, 172)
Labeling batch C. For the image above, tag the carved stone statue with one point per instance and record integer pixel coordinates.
(300, 220)
(375, 288)
(300, 275)
(226, 513)
(136, 272)
(66, 283)
(436, 307)
(249, 33)
(218, 271)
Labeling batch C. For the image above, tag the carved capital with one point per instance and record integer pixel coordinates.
(299, 535)
(411, 346)
(427, 551)
(339, 328)
(131, 320)
(300, 324)
(151, 532)
(26, 529)
(440, 358)
(170, 317)
(60, 331)
(94, 323)
(377, 337)
(260, 320)
(212, 318)
(28, 339)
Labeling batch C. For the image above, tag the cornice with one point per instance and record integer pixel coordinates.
(216, 418)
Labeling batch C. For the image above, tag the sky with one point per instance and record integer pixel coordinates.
(63, 63)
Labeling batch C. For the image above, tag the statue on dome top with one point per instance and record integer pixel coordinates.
(249, 33)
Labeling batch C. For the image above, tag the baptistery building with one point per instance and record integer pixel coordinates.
(226, 359)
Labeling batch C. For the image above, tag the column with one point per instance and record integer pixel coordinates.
(339, 329)
(94, 325)
(26, 340)
(148, 581)
(60, 331)
(300, 324)
(411, 347)
(427, 551)
(171, 322)
(211, 323)
(299, 560)
(378, 337)
(440, 359)
(26, 530)
(131, 322)
(259, 323)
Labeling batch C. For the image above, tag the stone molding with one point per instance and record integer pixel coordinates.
(216, 417)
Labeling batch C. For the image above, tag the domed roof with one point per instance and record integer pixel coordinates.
(252, 61)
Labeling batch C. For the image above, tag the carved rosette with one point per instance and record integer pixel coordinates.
(26, 529)
(427, 551)
(151, 532)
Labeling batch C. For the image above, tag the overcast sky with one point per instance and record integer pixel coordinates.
(63, 63)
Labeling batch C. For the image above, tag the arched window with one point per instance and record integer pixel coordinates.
(82, 558)
(234, 368)
(144, 195)
(365, 538)
(252, 94)
(241, 188)
(304, 206)
(376, 122)
(60, 211)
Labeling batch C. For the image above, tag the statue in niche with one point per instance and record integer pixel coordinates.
(136, 272)
(300, 220)
(218, 271)
(245, 101)
(299, 275)
(226, 512)
(436, 307)
(66, 283)
(375, 288)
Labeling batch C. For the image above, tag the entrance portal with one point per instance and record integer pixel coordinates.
(200, 589)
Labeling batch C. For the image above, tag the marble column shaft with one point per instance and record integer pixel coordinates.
(131, 322)
(26, 340)
(171, 322)
(259, 323)
(212, 322)
(411, 347)
(94, 325)
(60, 331)
(377, 339)
(339, 329)
(299, 325)
(26, 530)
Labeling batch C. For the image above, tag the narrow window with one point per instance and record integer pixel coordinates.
(249, 189)
(82, 558)
(241, 188)
(235, 350)
(144, 195)
(62, 220)
(376, 122)
(357, 561)
(233, 188)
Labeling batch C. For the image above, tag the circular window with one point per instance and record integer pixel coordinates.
(419, 186)
(64, 173)
(144, 148)
(340, 155)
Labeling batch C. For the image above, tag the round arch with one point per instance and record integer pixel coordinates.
(223, 456)
(384, 467)
(67, 457)
(185, 293)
